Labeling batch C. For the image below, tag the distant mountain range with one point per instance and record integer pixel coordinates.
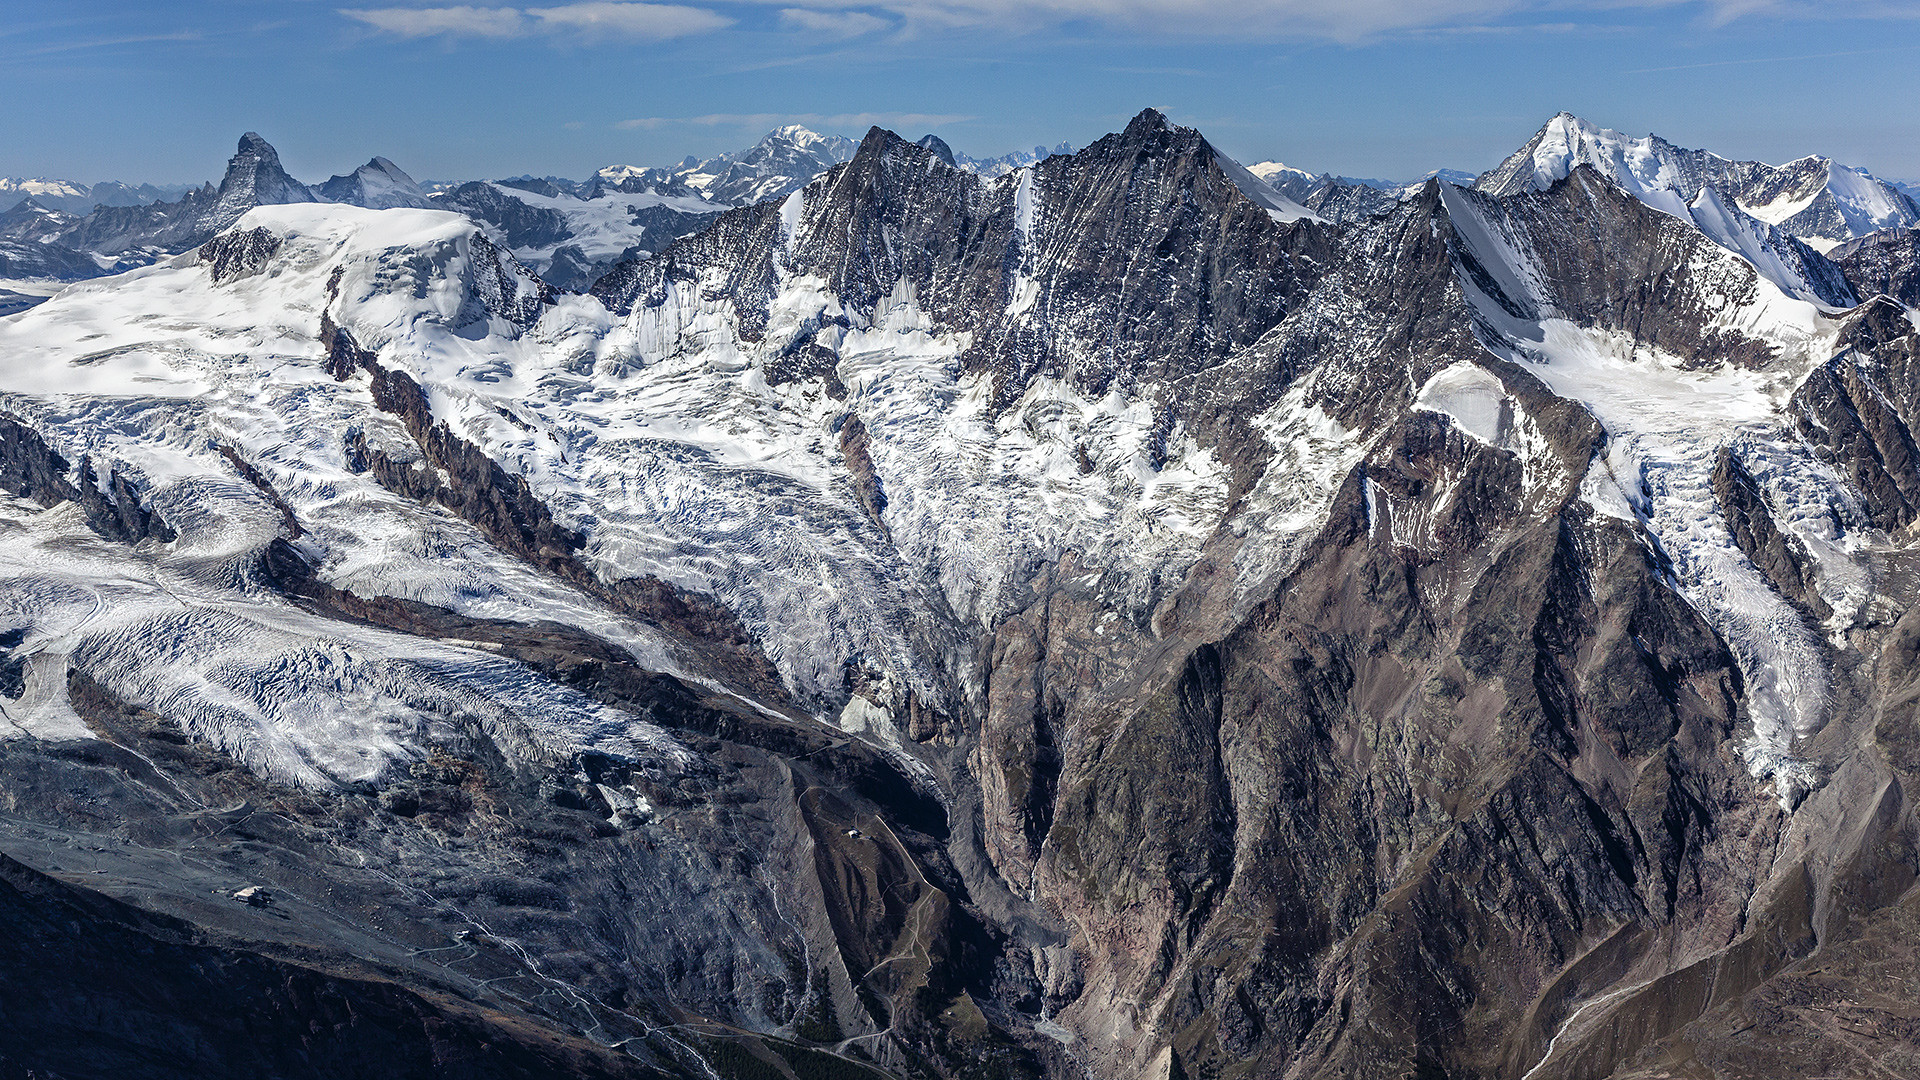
(569, 231)
(78, 198)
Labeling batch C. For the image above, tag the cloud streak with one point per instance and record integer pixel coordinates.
(1349, 21)
(836, 24)
(107, 43)
(597, 20)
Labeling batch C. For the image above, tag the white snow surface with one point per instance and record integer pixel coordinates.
(1764, 245)
(601, 228)
(1865, 202)
(149, 374)
(380, 185)
(1267, 170)
(14, 188)
(1473, 397)
(657, 437)
(178, 629)
(1635, 164)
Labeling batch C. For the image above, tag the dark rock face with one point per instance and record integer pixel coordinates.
(238, 254)
(29, 467)
(165, 226)
(1775, 553)
(1885, 262)
(1338, 201)
(1859, 406)
(897, 212)
(506, 288)
(12, 303)
(520, 224)
(1583, 222)
(253, 178)
(1461, 786)
(45, 261)
(32, 244)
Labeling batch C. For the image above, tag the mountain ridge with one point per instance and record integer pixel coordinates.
(896, 624)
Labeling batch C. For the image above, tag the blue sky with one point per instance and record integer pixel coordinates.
(160, 91)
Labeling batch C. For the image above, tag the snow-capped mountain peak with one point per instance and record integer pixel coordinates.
(939, 147)
(1813, 198)
(254, 178)
(806, 138)
(1652, 169)
(13, 187)
(377, 185)
(781, 162)
(1269, 170)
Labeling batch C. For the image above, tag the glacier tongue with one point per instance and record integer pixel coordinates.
(298, 698)
(1666, 420)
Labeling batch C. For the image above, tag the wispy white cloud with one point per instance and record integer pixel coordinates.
(105, 43)
(1312, 19)
(598, 19)
(1335, 20)
(609, 19)
(1349, 21)
(837, 24)
(769, 121)
(1726, 11)
(461, 21)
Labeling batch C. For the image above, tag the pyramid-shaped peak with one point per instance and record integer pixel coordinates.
(384, 167)
(882, 138)
(377, 185)
(252, 145)
(253, 155)
(939, 147)
(253, 178)
(1148, 121)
